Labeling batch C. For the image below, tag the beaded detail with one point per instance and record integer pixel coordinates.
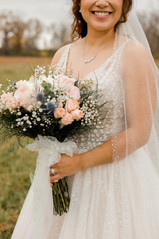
(109, 80)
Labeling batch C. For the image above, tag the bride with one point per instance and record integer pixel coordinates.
(114, 173)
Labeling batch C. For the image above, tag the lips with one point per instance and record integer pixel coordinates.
(101, 13)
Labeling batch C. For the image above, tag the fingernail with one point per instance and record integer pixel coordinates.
(56, 181)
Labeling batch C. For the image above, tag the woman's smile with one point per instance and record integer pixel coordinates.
(101, 14)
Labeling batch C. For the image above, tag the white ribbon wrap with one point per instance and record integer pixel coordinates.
(38, 206)
(50, 150)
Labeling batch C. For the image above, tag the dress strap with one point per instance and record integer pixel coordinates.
(63, 60)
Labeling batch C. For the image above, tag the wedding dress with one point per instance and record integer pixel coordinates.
(111, 201)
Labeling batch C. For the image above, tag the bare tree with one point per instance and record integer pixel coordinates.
(33, 31)
(60, 35)
(18, 32)
(6, 29)
(12, 28)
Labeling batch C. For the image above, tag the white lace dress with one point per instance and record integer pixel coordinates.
(94, 212)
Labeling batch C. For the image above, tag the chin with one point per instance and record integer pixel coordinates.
(99, 28)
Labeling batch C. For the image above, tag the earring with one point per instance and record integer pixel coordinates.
(80, 10)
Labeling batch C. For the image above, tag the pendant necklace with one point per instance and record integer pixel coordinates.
(93, 57)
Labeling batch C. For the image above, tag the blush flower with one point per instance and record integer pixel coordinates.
(12, 103)
(25, 94)
(67, 119)
(65, 81)
(6, 96)
(25, 86)
(59, 113)
(77, 114)
(22, 85)
(74, 92)
(25, 99)
(71, 105)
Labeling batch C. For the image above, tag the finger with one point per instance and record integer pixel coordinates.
(52, 171)
(54, 166)
(55, 177)
(57, 171)
(55, 181)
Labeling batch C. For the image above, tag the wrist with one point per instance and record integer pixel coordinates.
(80, 158)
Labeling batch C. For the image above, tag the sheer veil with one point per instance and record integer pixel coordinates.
(137, 144)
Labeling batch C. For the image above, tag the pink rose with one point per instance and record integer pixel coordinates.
(67, 119)
(66, 81)
(25, 94)
(10, 100)
(77, 114)
(25, 99)
(22, 85)
(6, 96)
(25, 86)
(74, 93)
(59, 113)
(71, 105)
(12, 104)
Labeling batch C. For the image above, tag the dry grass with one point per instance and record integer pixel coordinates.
(15, 68)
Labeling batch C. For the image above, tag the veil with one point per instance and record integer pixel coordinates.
(136, 146)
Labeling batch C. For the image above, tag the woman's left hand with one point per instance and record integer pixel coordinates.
(65, 167)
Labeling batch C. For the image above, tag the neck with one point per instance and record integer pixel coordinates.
(98, 39)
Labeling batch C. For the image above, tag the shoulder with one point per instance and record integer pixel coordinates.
(134, 52)
(135, 56)
(58, 54)
(137, 64)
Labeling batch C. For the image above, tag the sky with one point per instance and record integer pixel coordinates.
(47, 11)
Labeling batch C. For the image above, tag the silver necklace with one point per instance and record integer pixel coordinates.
(86, 61)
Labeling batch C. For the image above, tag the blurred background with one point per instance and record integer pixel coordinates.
(34, 28)
(38, 28)
(30, 33)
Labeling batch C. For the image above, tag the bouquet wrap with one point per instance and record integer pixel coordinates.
(50, 150)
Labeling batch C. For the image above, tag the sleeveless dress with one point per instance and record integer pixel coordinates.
(94, 212)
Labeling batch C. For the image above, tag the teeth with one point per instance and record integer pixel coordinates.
(101, 13)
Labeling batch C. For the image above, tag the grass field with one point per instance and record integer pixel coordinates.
(15, 164)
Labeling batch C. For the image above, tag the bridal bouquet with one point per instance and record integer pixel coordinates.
(49, 107)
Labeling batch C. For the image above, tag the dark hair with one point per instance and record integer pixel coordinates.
(79, 26)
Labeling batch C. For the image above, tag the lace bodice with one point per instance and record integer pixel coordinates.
(109, 79)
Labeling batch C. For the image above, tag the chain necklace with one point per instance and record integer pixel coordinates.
(86, 61)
